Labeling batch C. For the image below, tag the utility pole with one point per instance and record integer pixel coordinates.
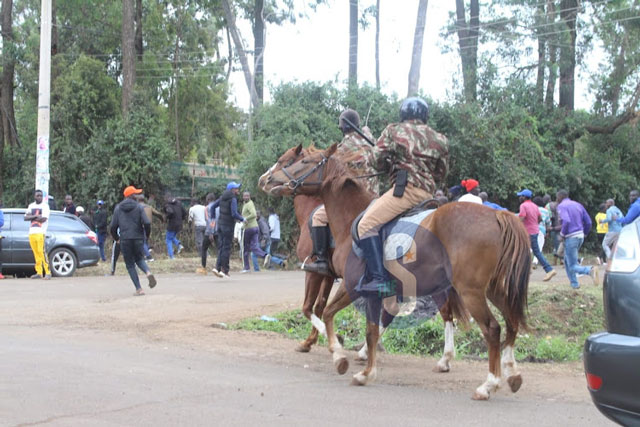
(44, 95)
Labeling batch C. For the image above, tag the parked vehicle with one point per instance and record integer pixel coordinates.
(612, 358)
(68, 242)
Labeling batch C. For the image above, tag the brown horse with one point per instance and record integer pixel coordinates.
(488, 251)
(317, 287)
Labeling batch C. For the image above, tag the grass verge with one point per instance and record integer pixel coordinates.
(559, 321)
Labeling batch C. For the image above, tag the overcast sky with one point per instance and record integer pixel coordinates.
(317, 49)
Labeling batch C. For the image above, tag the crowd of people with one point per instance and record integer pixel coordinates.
(417, 159)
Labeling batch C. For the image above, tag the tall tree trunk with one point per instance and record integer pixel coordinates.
(54, 28)
(378, 44)
(416, 56)
(9, 132)
(353, 42)
(175, 66)
(230, 64)
(258, 43)
(468, 44)
(139, 48)
(552, 47)
(1, 155)
(128, 54)
(568, 15)
(242, 54)
(542, 52)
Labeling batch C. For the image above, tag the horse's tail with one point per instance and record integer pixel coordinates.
(511, 277)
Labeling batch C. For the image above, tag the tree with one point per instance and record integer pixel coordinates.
(242, 53)
(138, 42)
(568, 16)
(353, 42)
(10, 134)
(468, 33)
(416, 56)
(378, 44)
(258, 51)
(128, 54)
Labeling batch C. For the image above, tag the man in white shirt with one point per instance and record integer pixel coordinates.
(473, 189)
(198, 219)
(274, 226)
(38, 213)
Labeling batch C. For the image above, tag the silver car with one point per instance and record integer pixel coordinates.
(69, 244)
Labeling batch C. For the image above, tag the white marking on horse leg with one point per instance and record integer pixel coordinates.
(449, 348)
(508, 361)
(363, 353)
(319, 325)
(489, 386)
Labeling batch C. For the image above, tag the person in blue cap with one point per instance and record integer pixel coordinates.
(531, 217)
(228, 204)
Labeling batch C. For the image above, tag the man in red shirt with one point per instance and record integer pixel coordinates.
(530, 215)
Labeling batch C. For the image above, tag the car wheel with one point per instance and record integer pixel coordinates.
(63, 262)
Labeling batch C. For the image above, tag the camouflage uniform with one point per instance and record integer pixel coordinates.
(423, 153)
(360, 162)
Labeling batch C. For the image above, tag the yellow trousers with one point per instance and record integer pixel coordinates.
(37, 246)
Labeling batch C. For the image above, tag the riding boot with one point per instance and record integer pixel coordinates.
(320, 238)
(376, 279)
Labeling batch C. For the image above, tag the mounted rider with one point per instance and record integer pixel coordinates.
(417, 158)
(359, 155)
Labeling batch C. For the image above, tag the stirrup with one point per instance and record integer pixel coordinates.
(320, 267)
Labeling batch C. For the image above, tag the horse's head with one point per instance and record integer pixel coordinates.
(297, 171)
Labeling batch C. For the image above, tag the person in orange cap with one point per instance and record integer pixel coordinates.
(473, 189)
(132, 222)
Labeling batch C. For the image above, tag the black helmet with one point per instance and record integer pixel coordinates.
(414, 108)
(351, 116)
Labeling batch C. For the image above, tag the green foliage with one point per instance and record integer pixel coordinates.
(131, 151)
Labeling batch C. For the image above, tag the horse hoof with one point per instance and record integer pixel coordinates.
(360, 360)
(302, 348)
(515, 381)
(480, 396)
(341, 364)
(439, 368)
(359, 379)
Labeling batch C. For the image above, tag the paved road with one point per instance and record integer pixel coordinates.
(83, 351)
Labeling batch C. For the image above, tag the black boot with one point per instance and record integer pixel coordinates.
(320, 238)
(376, 279)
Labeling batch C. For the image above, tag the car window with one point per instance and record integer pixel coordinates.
(65, 223)
(17, 222)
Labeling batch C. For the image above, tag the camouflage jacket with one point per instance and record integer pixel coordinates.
(359, 156)
(416, 148)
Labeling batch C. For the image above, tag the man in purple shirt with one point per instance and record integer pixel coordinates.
(530, 216)
(576, 224)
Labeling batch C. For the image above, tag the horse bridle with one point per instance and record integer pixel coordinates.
(294, 182)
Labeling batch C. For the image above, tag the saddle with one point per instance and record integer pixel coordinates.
(399, 232)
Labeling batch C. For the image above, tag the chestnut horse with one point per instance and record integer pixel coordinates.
(317, 287)
(488, 251)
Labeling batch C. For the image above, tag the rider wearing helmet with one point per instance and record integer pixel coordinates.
(359, 155)
(417, 158)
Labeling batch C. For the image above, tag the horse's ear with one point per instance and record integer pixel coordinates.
(298, 149)
(331, 150)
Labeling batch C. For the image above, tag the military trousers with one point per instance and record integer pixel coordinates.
(387, 207)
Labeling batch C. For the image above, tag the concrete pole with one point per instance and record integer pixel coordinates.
(44, 95)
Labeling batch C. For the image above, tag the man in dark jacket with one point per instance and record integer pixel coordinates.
(100, 222)
(130, 219)
(226, 222)
(176, 213)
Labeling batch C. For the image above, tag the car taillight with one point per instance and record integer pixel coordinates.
(91, 235)
(626, 255)
(594, 382)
